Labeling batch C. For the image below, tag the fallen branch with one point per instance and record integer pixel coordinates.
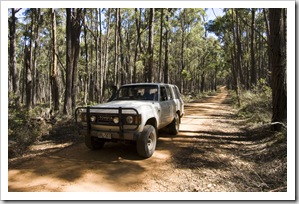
(279, 189)
(279, 123)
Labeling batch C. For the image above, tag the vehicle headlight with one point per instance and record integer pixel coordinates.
(116, 120)
(93, 118)
(129, 119)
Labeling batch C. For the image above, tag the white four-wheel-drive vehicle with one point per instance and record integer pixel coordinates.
(136, 113)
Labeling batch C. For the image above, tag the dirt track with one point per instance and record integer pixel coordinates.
(202, 157)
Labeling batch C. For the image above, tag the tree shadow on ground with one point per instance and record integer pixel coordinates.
(244, 158)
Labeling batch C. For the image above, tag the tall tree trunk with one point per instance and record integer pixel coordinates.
(12, 57)
(115, 78)
(137, 16)
(87, 72)
(67, 109)
(234, 67)
(252, 51)
(128, 57)
(101, 60)
(73, 30)
(76, 30)
(202, 86)
(106, 60)
(123, 73)
(277, 19)
(98, 55)
(150, 50)
(37, 20)
(166, 70)
(182, 49)
(160, 46)
(266, 20)
(239, 52)
(28, 77)
(54, 81)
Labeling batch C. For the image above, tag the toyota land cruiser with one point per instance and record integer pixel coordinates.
(136, 114)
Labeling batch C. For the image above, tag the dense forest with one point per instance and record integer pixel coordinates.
(63, 58)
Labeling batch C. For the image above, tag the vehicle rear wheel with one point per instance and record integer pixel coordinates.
(93, 143)
(146, 143)
(174, 126)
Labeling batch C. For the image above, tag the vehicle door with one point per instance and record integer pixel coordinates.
(165, 106)
(178, 100)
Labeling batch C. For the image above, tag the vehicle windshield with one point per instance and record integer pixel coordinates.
(138, 92)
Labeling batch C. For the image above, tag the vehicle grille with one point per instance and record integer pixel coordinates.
(103, 118)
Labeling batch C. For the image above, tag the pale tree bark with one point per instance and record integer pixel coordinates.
(87, 72)
(166, 70)
(106, 57)
(252, 51)
(234, 66)
(115, 78)
(36, 21)
(54, 79)
(150, 50)
(160, 44)
(28, 77)
(101, 60)
(137, 23)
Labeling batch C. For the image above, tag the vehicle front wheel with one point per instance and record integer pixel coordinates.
(146, 143)
(174, 126)
(93, 143)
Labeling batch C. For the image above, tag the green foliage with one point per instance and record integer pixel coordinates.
(139, 66)
(281, 136)
(186, 75)
(202, 57)
(24, 127)
(187, 98)
(256, 103)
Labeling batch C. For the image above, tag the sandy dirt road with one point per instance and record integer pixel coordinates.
(202, 157)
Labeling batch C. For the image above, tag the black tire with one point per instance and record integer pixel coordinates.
(174, 126)
(146, 143)
(93, 143)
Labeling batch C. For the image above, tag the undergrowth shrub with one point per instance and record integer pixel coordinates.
(187, 98)
(24, 128)
(256, 104)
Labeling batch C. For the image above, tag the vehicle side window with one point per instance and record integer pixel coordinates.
(163, 93)
(169, 93)
(176, 92)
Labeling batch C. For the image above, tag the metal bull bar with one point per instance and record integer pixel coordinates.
(119, 114)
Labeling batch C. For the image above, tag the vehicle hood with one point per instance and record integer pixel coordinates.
(113, 106)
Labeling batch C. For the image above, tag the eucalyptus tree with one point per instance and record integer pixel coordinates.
(278, 26)
(167, 33)
(73, 30)
(150, 50)
(187, 18)
(252, 48)
(12, 56)
(54, 75)
(106, 45)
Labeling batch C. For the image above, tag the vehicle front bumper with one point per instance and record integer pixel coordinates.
(119, 131)
(133, 136)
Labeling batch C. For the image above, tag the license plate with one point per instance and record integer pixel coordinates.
(104, 135)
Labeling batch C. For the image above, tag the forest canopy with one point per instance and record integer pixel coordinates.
(65, 57)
